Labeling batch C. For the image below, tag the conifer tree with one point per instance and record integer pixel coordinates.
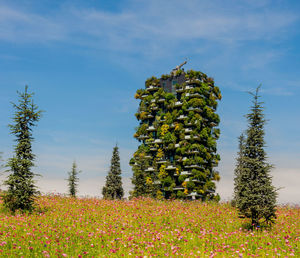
(239, 166)
(255, 194)
(73, 180)
(113, 187)
(22, 191)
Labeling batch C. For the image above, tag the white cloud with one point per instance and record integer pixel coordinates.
(147, 26)
(19, 26)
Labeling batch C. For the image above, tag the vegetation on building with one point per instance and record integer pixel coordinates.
(178, 136)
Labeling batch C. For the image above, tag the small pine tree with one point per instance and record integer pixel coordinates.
(255, 194)
(238, 168)
(73, 180)
(113, 187)
(22, 191)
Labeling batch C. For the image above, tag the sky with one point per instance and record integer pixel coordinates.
(84, 60)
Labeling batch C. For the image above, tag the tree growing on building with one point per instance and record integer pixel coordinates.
(22, 191)
(73, 180)
(113, 187)
(255, 195)
(142, 180)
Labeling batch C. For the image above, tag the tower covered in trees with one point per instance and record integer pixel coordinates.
(177, 134)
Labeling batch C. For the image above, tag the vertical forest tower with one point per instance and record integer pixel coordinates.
(177, 134)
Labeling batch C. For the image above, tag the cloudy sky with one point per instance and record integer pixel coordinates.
(84, 59)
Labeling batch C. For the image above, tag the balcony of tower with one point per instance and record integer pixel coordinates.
(195, 109)
(150, 169)
(149, 116)
(180, 89)
(153, 148)
(178, 103)
(144, 95)
(178, 188)
(181, 117)
(170, 167)
(196, 166)
(143, 137)
(151, 128)
(191, 137)
(189, 87)
(153, 107)
(152, 87)
(161, 161)
(186, 173)
(192, 81)
(161, 100)
(158, 141)
(188, 130)
(181, 159)
(192, 152)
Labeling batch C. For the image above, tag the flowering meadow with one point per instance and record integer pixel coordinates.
(90, 227)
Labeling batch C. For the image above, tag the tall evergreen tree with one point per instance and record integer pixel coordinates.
(239, 166)
(255, 194)
(113, 187)
(73, 180)
(22, 191)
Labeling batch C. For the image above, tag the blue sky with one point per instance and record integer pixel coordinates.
(84, 60)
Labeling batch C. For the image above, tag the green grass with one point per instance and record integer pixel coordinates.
(143, 227)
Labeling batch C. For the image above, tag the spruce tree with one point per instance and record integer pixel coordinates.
(22, 191)
(73, 180)
(238, 168)
(255, 194)
(113, 187)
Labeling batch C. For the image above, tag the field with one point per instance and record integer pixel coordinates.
(68, 227)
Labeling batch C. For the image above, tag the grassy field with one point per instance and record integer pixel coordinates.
(143, 227)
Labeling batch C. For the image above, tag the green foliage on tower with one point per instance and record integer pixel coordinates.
(73, 180)
(142, 180)
(113, 187)
(177, 134)
(22, 191)
(255, 196)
